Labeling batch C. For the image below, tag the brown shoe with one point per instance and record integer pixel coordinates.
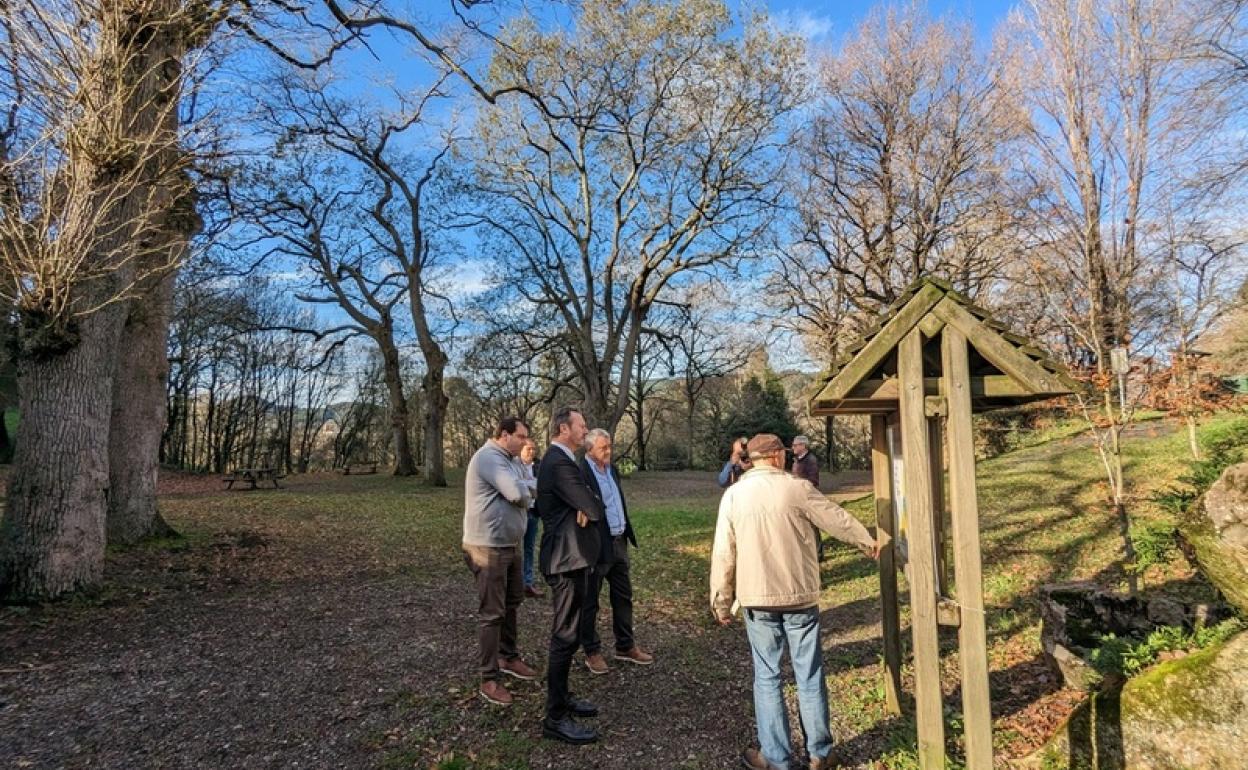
(533, 592)
(754, 759)
(518, 668)
(635, 655)
(596, 663)
(495, 693)
(822, 763)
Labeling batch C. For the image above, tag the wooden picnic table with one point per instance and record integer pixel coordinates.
(253, 476)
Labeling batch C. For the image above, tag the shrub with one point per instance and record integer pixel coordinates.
(1154, 544)
(1129, 656)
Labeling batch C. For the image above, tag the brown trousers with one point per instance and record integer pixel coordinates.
(500, 590)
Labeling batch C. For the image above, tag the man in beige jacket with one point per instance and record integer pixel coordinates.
(766, 560)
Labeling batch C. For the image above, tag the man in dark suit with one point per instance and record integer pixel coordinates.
(805, 464)
(570, 549)
(615, 533)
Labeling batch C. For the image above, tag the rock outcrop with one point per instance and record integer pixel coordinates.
(1185, 713)
(1218, 537)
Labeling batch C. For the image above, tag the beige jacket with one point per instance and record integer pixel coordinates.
(766, 551)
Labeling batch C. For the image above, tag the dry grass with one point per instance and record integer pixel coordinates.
(331, 624)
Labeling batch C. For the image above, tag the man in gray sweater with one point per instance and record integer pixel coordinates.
(497, 495)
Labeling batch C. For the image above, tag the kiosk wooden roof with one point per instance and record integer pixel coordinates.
(1006, 369)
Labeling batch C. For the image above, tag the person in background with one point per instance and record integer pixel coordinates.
(764, 561)
(527, 457)
(615, 532)
(496, 499)
(805, 464)
(738, 463)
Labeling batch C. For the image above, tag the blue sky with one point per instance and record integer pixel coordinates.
(392, 62)
(829, 21)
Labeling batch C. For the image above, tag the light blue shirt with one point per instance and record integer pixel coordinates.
(611, 499)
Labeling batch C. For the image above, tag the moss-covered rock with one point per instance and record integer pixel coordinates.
(1218, 536)
(1185, 713)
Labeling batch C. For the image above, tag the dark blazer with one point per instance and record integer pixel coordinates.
(561, 492)
(807, 468)
(604, 526)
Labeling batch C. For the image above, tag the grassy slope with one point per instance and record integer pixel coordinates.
(1043, 520)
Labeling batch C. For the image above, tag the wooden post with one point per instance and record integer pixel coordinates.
(916, 452)
(940, 537)
(972, 640)
(881, 472)
(829, 439)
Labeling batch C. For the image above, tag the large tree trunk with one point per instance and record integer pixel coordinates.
(433, 383)
(138, 420)
(599, 408)
(435, 423)
(52, 538)
(400, 421)
(140, 390)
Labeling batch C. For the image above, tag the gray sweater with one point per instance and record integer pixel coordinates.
(497, 496)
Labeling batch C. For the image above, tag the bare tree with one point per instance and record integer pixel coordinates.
(903, 172)
(1120, 138)
(383, 251)
(305, 209)
(1196, 287)
(91, 164)
(649, 156)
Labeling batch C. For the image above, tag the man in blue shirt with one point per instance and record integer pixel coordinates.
(616, 532)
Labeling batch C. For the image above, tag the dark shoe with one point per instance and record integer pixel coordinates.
(517, 668)
(495, 693)
(582, 708)
(635, 655)
(754, 759)
(533, 592)
(596, 663)
(568, 731)
(822, 763)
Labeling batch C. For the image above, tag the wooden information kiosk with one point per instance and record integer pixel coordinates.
(931, 360)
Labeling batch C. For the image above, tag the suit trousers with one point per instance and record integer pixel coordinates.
(620, 587)
(500, 590)
(567, 597)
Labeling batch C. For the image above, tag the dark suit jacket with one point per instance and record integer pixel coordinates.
(561, 492)
(807, 468)
(604, 526)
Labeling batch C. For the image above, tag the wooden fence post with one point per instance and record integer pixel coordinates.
(882, 477)
(972, 639)
(916, 452)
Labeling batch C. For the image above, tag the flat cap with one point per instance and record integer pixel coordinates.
(763, 445)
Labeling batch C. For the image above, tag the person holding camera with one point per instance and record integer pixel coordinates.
(737, 464)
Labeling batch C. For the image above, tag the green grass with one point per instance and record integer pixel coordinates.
(1044, 518)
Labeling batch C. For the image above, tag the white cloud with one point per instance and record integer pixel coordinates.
(465, 279)
(803, 23)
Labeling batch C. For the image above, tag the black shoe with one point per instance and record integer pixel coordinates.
(582, 708)
(568, 731)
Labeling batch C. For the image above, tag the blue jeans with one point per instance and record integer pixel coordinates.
(530, 542)
(768, 633)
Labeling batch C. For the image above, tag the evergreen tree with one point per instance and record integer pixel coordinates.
(762, 408)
